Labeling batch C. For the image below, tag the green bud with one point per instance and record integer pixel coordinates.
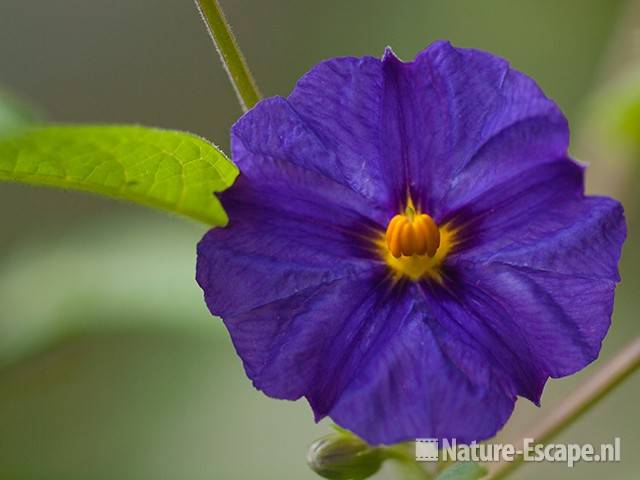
(343, 456)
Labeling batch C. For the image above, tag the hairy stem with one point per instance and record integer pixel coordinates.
(230, 54)
(594, 389)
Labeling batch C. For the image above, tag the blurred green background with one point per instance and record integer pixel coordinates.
(110, 365)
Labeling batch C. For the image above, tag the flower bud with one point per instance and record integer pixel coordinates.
(343, 456)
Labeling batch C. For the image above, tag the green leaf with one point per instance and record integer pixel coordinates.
(15, 114)
(462, 471)
(174, 171)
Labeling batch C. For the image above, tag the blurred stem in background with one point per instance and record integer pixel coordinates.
(230, 54)
(620, 367)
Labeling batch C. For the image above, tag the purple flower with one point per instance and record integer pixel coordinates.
(410, 247)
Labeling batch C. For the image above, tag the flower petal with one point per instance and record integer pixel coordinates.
(294, 238)
(466, 121)
(304, 343)
(458, 360)
(342, 101)
(541, 220)
(421, 381)
(281, 158)
(552, 321)
(266, 255)
(367, 356)
(330, 125)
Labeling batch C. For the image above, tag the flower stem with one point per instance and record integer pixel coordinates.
(230, 54)
(594, 389)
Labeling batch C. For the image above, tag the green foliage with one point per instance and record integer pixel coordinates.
(462, 471)
(174, 171)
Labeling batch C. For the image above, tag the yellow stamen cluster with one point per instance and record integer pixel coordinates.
(412, 234)
(414, 247)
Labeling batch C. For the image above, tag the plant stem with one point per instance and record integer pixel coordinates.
(230, 54)
(594, 389)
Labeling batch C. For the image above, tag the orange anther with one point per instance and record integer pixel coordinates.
(409, 235)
